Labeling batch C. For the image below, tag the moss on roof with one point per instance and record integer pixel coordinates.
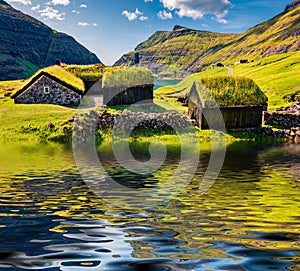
(86, 72)
(127, 77)
(229, 91)
(57, 72)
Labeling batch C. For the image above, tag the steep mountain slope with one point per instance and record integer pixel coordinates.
(191, 50)
(281, 34)
(168, 52)
(27, 44)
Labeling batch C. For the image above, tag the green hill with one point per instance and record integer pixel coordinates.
(183, 50)
(26, 44)
(172, 53)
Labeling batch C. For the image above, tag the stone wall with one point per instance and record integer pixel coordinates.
(56, 93)
(85, 125)
(282, 118)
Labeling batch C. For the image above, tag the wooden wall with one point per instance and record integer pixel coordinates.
(236, 117)
(127, 96)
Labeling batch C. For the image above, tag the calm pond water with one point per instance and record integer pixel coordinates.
(248, 220)
(162, 83)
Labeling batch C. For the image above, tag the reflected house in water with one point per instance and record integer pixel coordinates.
(241, 222)
(236, 102)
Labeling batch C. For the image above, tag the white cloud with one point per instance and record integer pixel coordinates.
(196, 9)
(60, 2)
(37, 7)
(51, 13)
(84, 24)
(136, 15)
(75, 11)
(131, 16)
(221, 20)
(164, 15)
(143, 18)
(83, 6)
(148, 1)
(24, 2)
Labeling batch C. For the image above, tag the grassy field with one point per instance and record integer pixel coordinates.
(278, 76)
(30, 122)
(9, 86)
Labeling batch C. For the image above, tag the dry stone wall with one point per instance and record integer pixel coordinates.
(282, 118)
(85, 125)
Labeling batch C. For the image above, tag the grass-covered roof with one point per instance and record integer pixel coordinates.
(57, 73)
(86, 72)
(127, 77)
(228, 91)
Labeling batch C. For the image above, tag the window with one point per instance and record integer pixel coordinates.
(46, 90)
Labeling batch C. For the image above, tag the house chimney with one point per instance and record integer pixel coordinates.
(57, 62)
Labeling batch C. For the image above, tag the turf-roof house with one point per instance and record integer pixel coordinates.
(51, 85)
(127, 86)
(239, 99)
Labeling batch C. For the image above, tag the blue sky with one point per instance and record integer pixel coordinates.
(111, 28)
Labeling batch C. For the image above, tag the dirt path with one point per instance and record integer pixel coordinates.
(229, 70)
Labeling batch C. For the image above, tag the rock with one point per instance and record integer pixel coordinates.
(50, 125)
(292, 6)
(297, 139)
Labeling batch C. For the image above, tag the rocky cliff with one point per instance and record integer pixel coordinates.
(184, 50)
(292, 6)
(27, 44)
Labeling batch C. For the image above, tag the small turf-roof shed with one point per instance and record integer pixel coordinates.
(126, 86)
(240, 101)
(51, 85)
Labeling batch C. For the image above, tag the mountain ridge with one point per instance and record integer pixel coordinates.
(277, 35)
(28, 44)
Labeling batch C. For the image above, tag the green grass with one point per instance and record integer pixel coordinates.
(278, 76)
(86, 72)
(128, 77)
(29, 122)
(7, 87)
(30, 68)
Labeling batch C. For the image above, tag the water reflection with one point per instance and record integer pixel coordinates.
(248, 220)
